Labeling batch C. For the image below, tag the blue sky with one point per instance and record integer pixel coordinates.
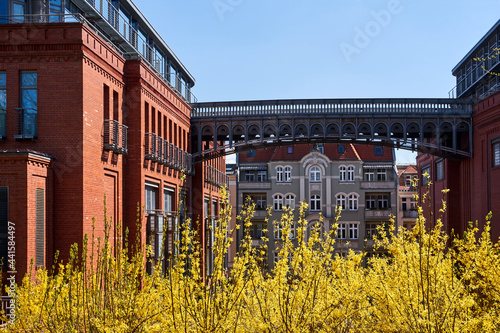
(277, 49)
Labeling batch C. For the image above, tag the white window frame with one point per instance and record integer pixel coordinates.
(353, 201)
(341, 200)
(369, 175)
(440, 170)
(353, 230)
(315, 203)
(381, 175)
(342, 173)
(496, 154)
(287, 176)
(262, 176)
(290, 201)
(342, 231)
(371, 201)
(350, 173)
(315, 175)
(278, 202)
(279, 174)
(383, 201)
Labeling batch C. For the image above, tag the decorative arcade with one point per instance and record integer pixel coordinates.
(440, 127)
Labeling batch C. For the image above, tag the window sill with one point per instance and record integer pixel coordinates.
(22, 137)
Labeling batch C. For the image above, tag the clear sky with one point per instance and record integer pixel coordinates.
(277, 49)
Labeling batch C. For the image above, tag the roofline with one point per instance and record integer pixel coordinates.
(470, 53)
(130, 6)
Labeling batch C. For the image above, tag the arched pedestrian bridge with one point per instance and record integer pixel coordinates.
(438, 126)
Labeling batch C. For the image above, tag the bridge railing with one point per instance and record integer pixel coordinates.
(331, 106)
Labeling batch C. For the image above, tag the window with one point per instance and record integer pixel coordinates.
(315, 203)
(341, 201)
(249, 176)
(289, 150)
(18, 10)
(29, 104)
(168, 200)
(439, 170)
(409, 180)
(340, 149)
(381, 175)
(260, 202)
(383, 201)
(40, 228)
(288, 174)
(315, 175)
(278, 202)
(251, 153)
(151, 197)
(370, 202)
(341, 231)
(290, 201)
(350, 173)
(262, 176)
(321, 148)
(372, 229)
(369, 175)
(353, 230)
(342, 173)
(496, 154)
(257, 230)
(353, 201)
(4, 224)
(3, 104)
(278, 231)
(55, 10)
(279, 174)
(426, 175)
(379, 151)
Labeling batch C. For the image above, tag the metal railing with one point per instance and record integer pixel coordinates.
(410, 213)
(28, 119)
(332, 106)
(161, 151)
(115, 136)
(216, 177)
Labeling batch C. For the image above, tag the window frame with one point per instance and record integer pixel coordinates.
(315, 203)
(381, 175)
(342, 173)
(353, 202)
(341, 200)
(279, 174)
(342, 231)
(495, 149)
(287, 174)
(261, 176)
(353, 230)
(369, 175)
(3, 100)
(440, 169)
(350, 173)
(278, 202)
(315, 175)
(289, 201)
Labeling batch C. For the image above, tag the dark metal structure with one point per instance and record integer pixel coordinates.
(438, 126)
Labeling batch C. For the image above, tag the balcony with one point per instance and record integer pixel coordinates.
(115, 136)
(28, 119)
(216, 177)
(378, 184)
(254, 185)
(410, 214)
(378, 214)
(163, 152)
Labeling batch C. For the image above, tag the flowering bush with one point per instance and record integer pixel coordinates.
(424, 282)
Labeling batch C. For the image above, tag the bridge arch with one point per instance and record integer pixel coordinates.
(349, 130)
(285, 131)
(365, 130)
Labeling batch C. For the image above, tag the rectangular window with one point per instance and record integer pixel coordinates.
(371, 202)
(251, 153)
(340, 149)
(369, 175)
(321, 148)
(409, 180)
(168, 200)
(151, 198)
(496, 154)
(372, 229)
(289, 150)
(439, 170)
(4, 224)
(249, 176)
(379, 151)
(3, 105)
(381, 175)
(56, 8)
(40, 228)
(426, 175)
(383, 201)
(353, 230)
(18, 10)
(260, 202)
(29, 104)
(341, 231)
(262, 176)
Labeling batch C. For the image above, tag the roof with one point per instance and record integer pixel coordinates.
(364, 153)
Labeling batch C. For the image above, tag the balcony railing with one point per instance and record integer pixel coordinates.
(3, 125)
(28, 119)
(159, 150)
(410, 213)
(115, 136)
(378, 213)
(216, 177)
(378, 184)
(254, 185)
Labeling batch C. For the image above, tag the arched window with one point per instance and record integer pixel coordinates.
(350, 173)
(278, 202)
(288, 174)
(279, 174)
(342, 173)
(315, 175)
(315, 203)
(290, 201)
(341, 201)
(353, 201)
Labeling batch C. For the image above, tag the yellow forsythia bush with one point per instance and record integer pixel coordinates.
(425, 282)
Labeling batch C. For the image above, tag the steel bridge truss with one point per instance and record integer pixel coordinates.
(440, 127)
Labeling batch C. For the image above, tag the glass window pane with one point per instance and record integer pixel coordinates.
(3, 100)
(29, 100)
(28, 79)
(18, 12)
(3, 79)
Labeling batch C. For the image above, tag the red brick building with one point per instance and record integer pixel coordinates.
(474, 183)
(84, 120)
